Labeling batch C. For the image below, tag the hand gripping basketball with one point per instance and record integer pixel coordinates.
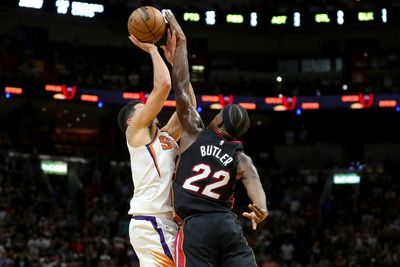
(147, 47)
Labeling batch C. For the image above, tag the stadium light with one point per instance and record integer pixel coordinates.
(346, 178)
(322, 18)
(234, 18)
(59, 96)
(54, 167)
(278, 20)
(210, 17)
(310, 105)
(248, 105)
(273, 100)
(89, 98)
(387, 103)
(86, 9)
(350, 98)
(384, 15)
(128, 95)
(209, 98)
(191, 16)
(13, 90)
(296, 19)
(365, 16)
(253, 19)
(53, 88)
(216, 106)
(199, 68)
(170, 103)
(37, 4)
(340, 17)
(62, 6)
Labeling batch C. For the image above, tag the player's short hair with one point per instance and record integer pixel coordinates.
(125, 112)
(236, 120)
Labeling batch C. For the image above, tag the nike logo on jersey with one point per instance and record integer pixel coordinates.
(211, 150)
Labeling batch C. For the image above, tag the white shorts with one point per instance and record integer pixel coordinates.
(153, 239)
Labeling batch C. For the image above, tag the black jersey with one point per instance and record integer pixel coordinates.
(205, 176)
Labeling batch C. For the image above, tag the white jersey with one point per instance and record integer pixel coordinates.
(152, 170)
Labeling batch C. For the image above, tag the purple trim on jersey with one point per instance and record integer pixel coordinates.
(153, 153)
(153, 221)
(153, 156)
(154, 138)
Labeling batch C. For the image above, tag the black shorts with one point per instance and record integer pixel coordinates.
(213, 239)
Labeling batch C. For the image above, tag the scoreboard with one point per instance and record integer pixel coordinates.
(294, 18)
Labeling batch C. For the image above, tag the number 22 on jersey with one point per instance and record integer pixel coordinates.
(204, 171)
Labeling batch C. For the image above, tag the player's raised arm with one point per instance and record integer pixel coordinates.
(173, 127)
(188, 116)
(161, 85)
(247, 173)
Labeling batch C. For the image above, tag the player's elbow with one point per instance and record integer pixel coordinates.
(166, 84)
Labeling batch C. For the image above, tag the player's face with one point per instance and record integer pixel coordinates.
(137, 107)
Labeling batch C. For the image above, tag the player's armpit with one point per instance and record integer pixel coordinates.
(245, 168)
(173, 127)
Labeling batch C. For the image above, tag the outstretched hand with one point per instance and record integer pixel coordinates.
(169, 48)
(147, 47)
(256, 215)
(174, 25)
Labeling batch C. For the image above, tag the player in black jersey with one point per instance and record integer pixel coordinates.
(210, 163)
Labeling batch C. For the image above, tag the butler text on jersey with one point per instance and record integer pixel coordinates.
(215, 151)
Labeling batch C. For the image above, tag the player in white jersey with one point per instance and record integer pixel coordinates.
(153, 153)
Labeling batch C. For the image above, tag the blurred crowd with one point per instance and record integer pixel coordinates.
(81, 219)
(29, 59)
(316, 223)
(75, 220)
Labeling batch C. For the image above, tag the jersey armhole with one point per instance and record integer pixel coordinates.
(236, 162)
(145, 145)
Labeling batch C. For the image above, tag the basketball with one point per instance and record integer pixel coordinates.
(147, 24)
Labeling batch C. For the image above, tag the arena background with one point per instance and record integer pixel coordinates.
(320, 80)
